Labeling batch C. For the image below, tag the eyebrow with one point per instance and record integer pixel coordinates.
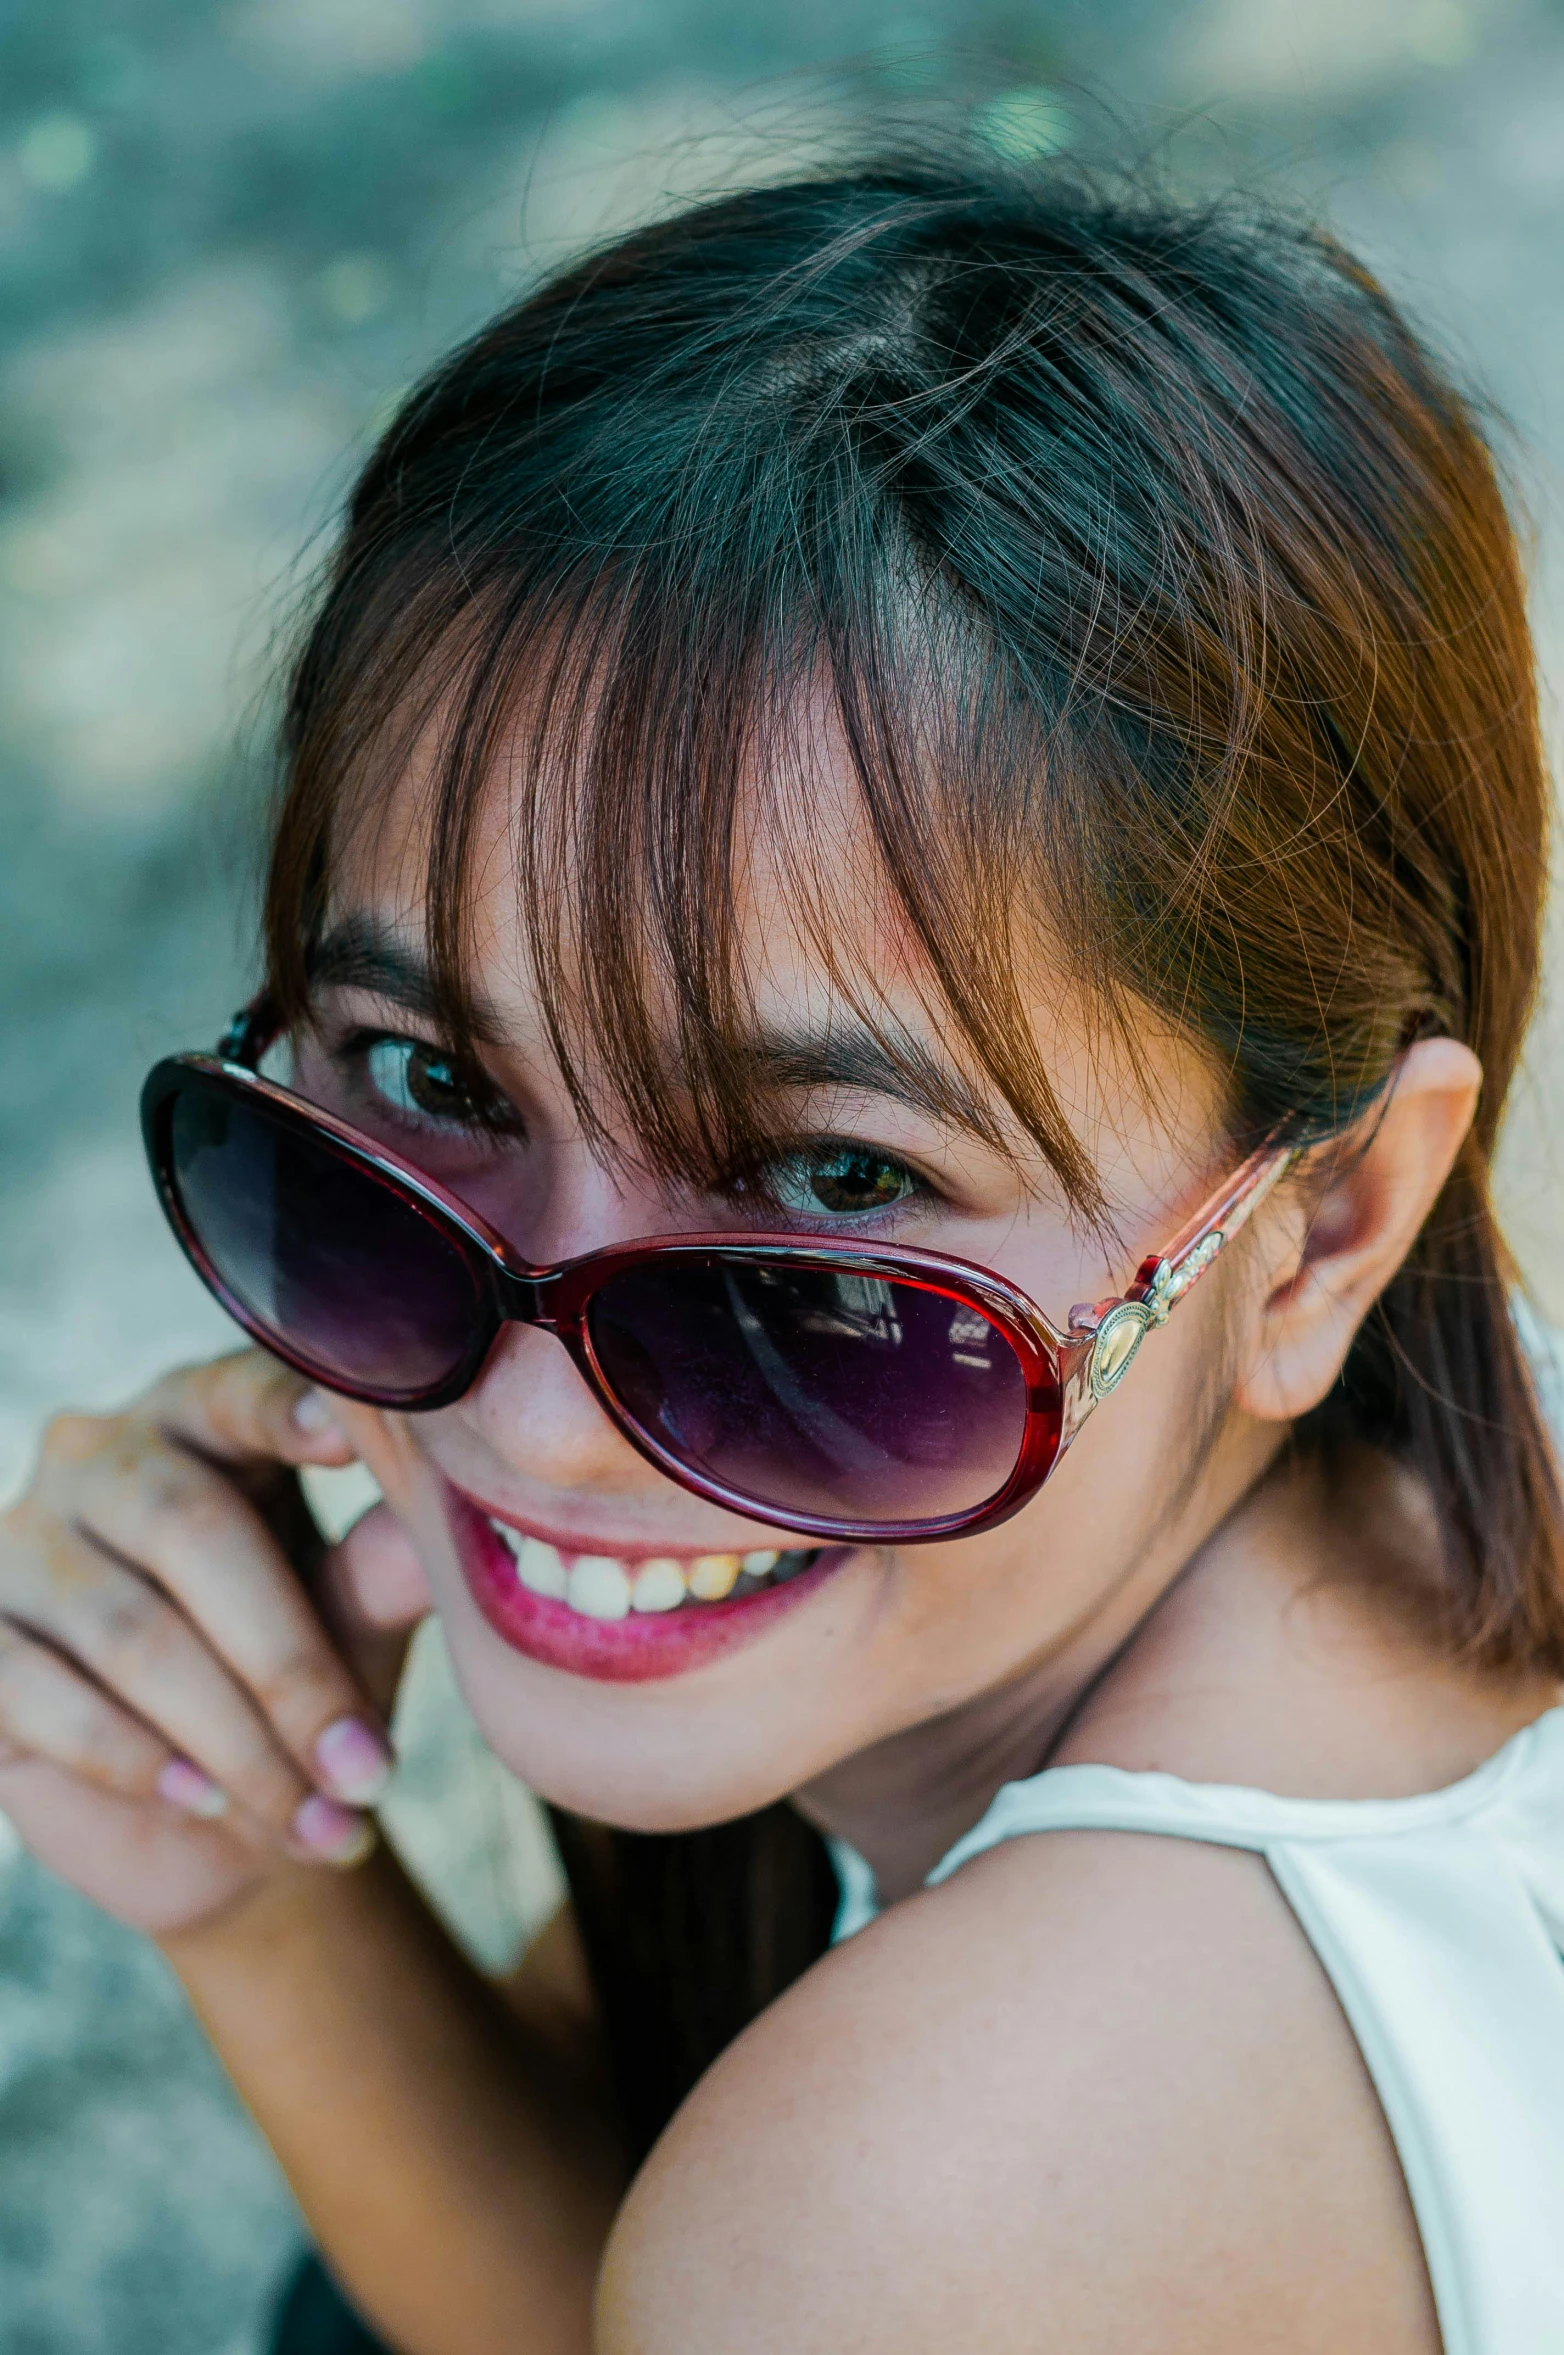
(361, 952)
(851, 1055)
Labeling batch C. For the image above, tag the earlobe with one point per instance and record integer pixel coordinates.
(1328, 1253)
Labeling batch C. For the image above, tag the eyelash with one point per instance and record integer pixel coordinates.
(816, 1154)
(760, 1187)
(493, 1116)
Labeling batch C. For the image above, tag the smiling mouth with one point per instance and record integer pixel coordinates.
(606, 1587)
(627, 1618)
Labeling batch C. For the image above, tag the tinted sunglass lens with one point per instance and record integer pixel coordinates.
(815, 1390)
(322, 1256)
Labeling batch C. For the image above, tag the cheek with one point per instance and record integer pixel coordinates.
(1024, 1585)
(975, 1612)
(387, 1448)
(1145, 1442)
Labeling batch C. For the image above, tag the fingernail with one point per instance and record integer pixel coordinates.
(184, 1785)
(355, 1760)
(313, 1414)
(332, 1832)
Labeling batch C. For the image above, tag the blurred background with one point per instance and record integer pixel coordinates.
(231, 231)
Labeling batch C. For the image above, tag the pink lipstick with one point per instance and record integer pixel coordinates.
(629, 1616)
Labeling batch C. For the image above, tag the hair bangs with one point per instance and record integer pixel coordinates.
(651, 728)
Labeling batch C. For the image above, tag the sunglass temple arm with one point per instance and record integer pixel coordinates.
(251, 1032)
(1117, 1327)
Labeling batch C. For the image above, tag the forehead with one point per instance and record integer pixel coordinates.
(803, 887)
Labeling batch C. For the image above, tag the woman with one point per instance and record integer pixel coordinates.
(971, 743)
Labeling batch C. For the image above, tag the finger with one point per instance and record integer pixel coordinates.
(124, 1634)
(248, 1409)
(131, 1642)
(373, 1593)
(50, 1710)
(210, 1552)
(154, 1868)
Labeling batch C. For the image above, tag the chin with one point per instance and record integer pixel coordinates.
(653, 1775)
(669, 1755)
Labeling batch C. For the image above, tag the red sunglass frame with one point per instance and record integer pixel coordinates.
(1066, 1372)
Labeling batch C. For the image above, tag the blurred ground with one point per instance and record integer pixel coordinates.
(228, 235)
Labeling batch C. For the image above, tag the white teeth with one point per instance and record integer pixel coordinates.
(599, 1587)
(539, 1567)
(713, 1576)
(659, 1586)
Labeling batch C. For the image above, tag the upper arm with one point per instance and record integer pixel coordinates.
(1094, 2095)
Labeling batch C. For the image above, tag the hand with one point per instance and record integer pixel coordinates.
(176, 1722)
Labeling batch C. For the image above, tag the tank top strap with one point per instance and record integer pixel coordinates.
(1111, 1799)
(1117, 1799)
(1074, 1799)
(1114, 1799)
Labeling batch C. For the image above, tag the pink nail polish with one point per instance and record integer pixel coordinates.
(184, 1785)
(355, 1760)
(334, 1833)
(313, 1414)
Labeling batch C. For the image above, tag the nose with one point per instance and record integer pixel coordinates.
(536, 1413)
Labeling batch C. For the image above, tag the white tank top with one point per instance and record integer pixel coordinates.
(1440, 1920)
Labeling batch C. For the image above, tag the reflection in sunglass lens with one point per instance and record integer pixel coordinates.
(814, 1390)
(319, 1253)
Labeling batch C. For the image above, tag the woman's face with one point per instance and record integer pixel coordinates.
(668, 1718)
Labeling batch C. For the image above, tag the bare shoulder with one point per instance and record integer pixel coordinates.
(1092, 2094)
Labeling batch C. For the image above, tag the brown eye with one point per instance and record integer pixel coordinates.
(423, 1083)
(843, 1180)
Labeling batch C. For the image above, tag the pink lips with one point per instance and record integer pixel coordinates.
(617, 1651)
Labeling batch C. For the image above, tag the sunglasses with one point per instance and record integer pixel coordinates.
(849, 1390)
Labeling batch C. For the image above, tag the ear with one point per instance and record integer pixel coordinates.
(1329, 1256)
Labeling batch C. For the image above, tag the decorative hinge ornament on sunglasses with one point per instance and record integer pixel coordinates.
(1170, 1283)
(1121, 1326)
(1123, 1329)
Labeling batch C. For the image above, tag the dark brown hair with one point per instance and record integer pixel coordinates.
(1162, 589)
